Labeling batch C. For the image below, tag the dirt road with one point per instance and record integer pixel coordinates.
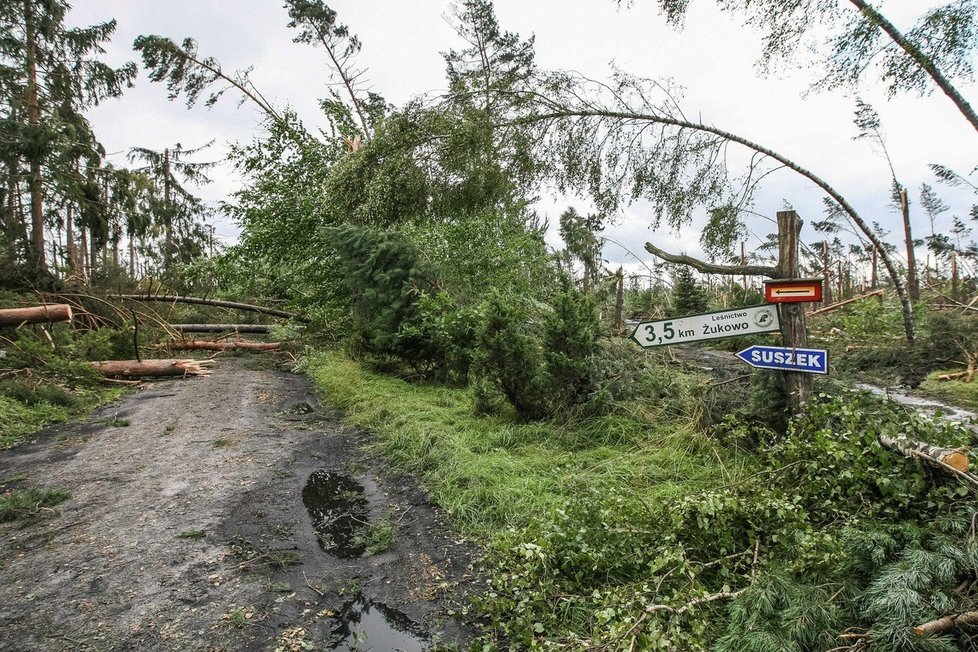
(190, 527)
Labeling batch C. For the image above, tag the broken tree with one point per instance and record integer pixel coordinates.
(48, 312)
(136, 368)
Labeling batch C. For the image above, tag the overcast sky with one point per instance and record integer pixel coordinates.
(713, 58)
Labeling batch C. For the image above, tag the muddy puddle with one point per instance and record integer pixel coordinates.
(372, 626)
(339, 512)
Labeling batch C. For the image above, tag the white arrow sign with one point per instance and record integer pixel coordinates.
(707, 326)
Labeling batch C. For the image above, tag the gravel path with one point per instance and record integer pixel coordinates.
(186, 528)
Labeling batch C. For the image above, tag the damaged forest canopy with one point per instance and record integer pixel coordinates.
(626, 499)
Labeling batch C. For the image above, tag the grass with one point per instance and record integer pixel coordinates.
(492, 473)
(27, 505)
(955, 392)
(221, 443)
(27, 409)
(192, 534)
(377, 537)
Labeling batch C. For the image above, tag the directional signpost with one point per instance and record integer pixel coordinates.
(807, 361)
(707, 326)
(798, 290)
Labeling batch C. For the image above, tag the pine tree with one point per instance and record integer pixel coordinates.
(688, 297)
(49, 76)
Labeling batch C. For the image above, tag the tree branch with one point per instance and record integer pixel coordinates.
(560, 112)
(942, 625)
(921, 58)
(711, 268)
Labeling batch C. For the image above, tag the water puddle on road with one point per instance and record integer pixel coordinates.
(338, 509)
(371, 626)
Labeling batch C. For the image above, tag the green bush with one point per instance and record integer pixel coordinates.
(508, 360)
(570, 344)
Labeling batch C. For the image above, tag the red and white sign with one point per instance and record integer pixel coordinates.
(797, 290)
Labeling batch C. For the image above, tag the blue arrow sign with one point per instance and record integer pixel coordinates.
(809, 361)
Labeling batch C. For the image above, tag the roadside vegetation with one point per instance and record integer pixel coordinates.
(625, 499)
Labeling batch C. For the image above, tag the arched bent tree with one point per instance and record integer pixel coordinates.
(628, 139)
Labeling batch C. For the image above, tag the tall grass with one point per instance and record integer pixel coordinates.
(493, 473)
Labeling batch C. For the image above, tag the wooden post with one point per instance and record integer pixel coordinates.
(793, 330)
(913, 285)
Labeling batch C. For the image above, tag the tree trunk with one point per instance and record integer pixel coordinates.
(874, 278)
(167, 211)
(957, 459)
(194, 345)
(954, 276)
(619, 300)
(49, 312)
(135, 368)
(207, 302)
(220, 328)
(793, 330)
(826, 274)
(35, 184)
(70, 241)
(913, 284)
(943, 625)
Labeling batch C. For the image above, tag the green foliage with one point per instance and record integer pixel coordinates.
(383, 277)
(570, 344)
(50, 381)
(589, 523)
(688, 297)
(508, 360)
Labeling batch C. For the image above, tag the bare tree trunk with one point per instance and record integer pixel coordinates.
(619, 300)
(874, 279)
(35, 184)
(954, 276)
(132, 257)
(913, 285)
(826, 274)
(83, 257)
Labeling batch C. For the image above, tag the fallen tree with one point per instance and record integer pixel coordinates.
(137, 368)
(209, 302)
(44, 313)
(955, 459)
(835, 306)
(205, 345)
(220, 328)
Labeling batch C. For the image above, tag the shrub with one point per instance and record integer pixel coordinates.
(570, 345)
(508, 360)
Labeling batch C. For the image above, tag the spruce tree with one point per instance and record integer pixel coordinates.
(688, 297)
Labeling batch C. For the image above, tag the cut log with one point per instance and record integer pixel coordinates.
(955, 458)
(135, 368)
(965, 376)
(220, 328)
(44, 313)
(943, 625)
(836, 306)
(193, 345)
(209, 302)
